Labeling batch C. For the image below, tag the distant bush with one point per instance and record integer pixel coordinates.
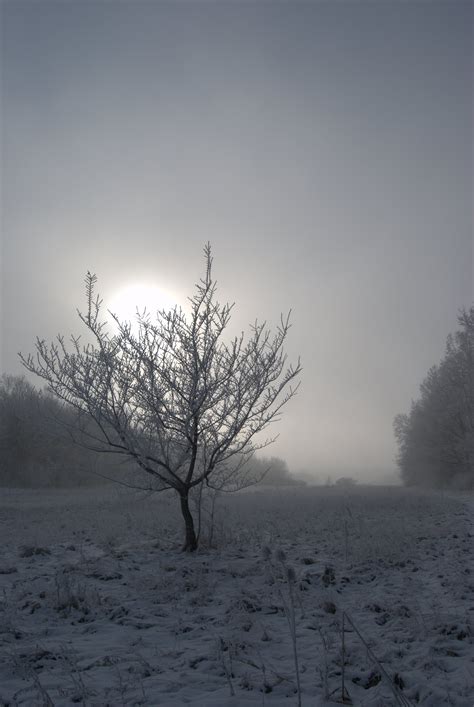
(277, 472)
(345, 482)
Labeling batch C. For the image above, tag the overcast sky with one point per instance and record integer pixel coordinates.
(323, 148)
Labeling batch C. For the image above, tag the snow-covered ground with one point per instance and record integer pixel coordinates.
(99, 607)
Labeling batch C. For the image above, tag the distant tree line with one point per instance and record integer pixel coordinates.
(36, 448)
(436, 438)
(41, 446)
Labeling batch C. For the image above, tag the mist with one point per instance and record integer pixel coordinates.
(324, 149)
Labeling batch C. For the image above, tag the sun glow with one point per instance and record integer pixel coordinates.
(139, 297)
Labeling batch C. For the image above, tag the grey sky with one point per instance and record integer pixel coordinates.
(324, 148)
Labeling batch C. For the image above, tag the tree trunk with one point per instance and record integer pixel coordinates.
(190, 543)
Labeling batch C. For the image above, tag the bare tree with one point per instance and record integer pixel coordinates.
(187, 407)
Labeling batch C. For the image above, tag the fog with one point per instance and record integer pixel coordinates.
(324, 149)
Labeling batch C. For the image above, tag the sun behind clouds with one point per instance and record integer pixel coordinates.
(139, 296)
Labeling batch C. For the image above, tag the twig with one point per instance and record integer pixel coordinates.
(400, 698)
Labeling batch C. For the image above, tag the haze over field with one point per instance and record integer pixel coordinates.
(324, 149)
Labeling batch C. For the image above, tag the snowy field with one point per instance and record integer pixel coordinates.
(99, 607)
